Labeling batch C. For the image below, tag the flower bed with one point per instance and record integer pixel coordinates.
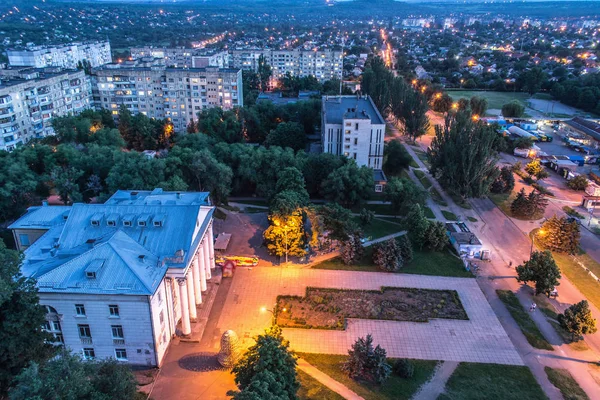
(328, 308)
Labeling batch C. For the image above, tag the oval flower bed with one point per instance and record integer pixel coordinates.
(328, 308)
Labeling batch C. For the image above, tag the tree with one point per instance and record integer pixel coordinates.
(348, 185)
(387, 256)
(535, 168)
(520, 206)
(352, 248)
(65, 183)
(505, 182)
(436, 237)
(337, 220)
(291, 179)
(287, 134)
(578, 320)
(366, 217)
(541, 269)
(514, 109)
(22, 340)
(528, 206)
(68, 377)
(478, 106)
(442, 103)
(366, 362)
(317, 168)
(402, 193)
(580, 182)
(417, 225)
(406, 250)
(413, 115)
(560, 234)
(462, 156)
(270, 354)
(285, 235)
(125, 125)
(395, 158)
(532, 80)
(523, 142)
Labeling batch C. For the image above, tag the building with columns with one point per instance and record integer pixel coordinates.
(120, 279)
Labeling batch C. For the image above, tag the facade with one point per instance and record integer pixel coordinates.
(352, 126)
(30, 98)
(120, 279)
(583, 131)
(322, 64)
(148, 87)
(64, 56)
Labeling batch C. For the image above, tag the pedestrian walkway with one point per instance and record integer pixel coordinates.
(437, 383)
(326, 380)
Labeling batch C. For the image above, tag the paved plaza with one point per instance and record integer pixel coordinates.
(480, 339)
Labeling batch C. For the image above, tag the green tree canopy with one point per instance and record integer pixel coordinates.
(287, 134)
(578, 320)
(541, 269)
(349, 185)
(560, 234)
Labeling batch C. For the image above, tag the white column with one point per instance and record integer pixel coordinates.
(211, 245)
(197, 288)
(191, 295)
(186, 328)
(170, 305)
(199, 261)
(205, 251)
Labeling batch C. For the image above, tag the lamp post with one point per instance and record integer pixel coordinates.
(541, 232)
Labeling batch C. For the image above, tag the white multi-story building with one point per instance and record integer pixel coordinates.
(63, 56)
(150, 88)
(29, 98)
(352, 126)
(322, 64)
(120, 279)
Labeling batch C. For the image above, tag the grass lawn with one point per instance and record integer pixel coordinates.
(450, 216)
(437, 197)
(570, 267)
(551, 314)
(423, 178)
(460, 202)
(380, 228)
(310, 388)
(428, 212)
(423, 263)
(527, 325)
(495, 99)
(394, 388)
(472, 381)
(562, 379)
(423, 157)
(471, 219)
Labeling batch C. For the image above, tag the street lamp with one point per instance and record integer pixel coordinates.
(541, 233)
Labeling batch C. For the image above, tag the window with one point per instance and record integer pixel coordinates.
(89, 353)
(24, 239)
(84, 331)
(80, 310)
(117, 331)
(378, 188)
(121, 354)
(355, 141)
(161, 317)
(113, 310)
(356, 126)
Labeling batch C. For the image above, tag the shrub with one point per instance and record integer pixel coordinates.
(406, 250)
(387, 256)
(352, 249)
(366, 362)
(404, 368)
(580, 182)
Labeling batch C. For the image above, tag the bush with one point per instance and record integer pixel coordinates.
(571, 212)
(366, 362)
(406, 250)
(580, 182)
(505, 182)
(404, 368)
(387, 256)
(514, 109)
(352, 249)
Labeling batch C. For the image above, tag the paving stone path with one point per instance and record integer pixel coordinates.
(326, 380)
(479, 339)
(437, 383)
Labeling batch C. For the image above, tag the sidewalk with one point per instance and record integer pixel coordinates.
(328, 381)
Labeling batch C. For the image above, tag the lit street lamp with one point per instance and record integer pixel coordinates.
(541, 233)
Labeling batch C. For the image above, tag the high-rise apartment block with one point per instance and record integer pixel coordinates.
(151, 88)
(64, 56)
(322, 64)
(30, 97)
(352, 126)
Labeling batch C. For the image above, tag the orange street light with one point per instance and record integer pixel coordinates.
(475, 117)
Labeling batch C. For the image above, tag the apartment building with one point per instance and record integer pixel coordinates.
(30, 98)
(120, 279)
(353, 126)
(63, 56)
(322, 64)
(180, 57)
(148, 87)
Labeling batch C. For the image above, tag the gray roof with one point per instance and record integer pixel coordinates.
(588, 127)
(42, 217)
(158, 196)
(338, 108)
(130, 258)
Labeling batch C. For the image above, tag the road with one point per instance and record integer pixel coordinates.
(509, 242)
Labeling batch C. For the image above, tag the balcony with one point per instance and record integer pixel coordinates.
(86, 340)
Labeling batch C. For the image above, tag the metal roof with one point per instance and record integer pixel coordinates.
(41, 217)
(158, 196)
(338, 108)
